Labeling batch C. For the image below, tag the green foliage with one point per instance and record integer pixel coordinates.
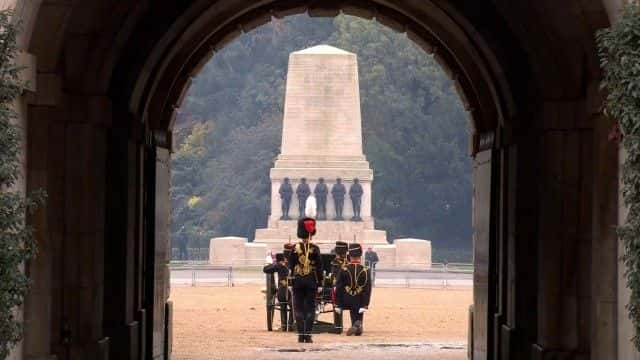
(415, 135)
(16, 237)
(619, 50)
(414, 128)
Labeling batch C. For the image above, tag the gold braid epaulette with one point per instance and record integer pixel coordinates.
(303, 267)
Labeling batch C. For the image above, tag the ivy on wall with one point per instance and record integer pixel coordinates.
(619, 51)
(17, 244)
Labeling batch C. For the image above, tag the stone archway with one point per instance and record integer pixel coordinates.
(110, 74)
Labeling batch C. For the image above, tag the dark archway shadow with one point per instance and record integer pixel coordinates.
(110, 75)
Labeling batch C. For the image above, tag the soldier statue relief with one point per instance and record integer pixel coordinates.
(286, 191)
(303, 191)
(321, 192)
(355, 193)
(337, 191)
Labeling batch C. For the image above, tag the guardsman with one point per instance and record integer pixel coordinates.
(353, 289)
(286, 251)
(340, 261)
(306, 268)
(280, 267)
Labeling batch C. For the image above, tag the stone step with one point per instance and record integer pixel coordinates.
(322, 164)
(366, 224)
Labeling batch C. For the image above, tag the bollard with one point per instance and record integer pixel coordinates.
(193, 277)
(230, 276)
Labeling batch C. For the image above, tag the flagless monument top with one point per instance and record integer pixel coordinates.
(322, 50)
(322, 105)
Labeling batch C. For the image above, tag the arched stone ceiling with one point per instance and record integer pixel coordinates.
(143, 54)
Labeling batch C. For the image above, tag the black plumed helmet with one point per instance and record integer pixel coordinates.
(341, 248)
(287, 248)
(355, 250)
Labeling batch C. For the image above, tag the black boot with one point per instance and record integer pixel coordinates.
(302, 338)
(354, 325)
(358, 326)
(308, 339)
(300, 326)
(352, 330)
(308, 325)
(283, 317)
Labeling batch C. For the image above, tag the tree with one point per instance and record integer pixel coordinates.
(17, 244)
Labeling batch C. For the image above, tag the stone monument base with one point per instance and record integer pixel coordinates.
(281, 232)
(237, 251)
(413, 253)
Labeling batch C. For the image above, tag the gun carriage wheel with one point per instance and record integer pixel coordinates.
(270, 297)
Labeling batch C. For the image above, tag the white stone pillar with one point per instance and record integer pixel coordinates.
(414, 253)
(228, 250)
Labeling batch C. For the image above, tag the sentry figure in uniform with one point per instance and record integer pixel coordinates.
(321, 191)
(355, 193)
(280, 267)
(306, 268)
(302, 191)
(338, 264)
(337, 192)
(340, 261)
(353, 290)
(286, 191)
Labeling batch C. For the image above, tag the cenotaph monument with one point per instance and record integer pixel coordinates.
(321, 153)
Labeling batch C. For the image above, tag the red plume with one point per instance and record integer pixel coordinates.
(310, 225)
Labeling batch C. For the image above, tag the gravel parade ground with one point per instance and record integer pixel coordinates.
(230, 323)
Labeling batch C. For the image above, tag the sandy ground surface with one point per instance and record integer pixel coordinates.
(230, 323)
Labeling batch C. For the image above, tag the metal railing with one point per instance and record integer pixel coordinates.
(190, 254)
(249, 271)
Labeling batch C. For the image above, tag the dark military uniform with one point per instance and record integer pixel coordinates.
(337, 191)
(286, 191)
(302, 191)
(321, 191)
(355, 193)
(338, 264)
(353, 289)
(340, 261)
(306, 268)
(281, 268)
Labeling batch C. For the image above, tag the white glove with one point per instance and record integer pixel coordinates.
(290, 288)
(362, 310)
(319, 289)
(337, 310)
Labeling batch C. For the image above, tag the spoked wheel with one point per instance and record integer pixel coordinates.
(291, 326)
(270, 300)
